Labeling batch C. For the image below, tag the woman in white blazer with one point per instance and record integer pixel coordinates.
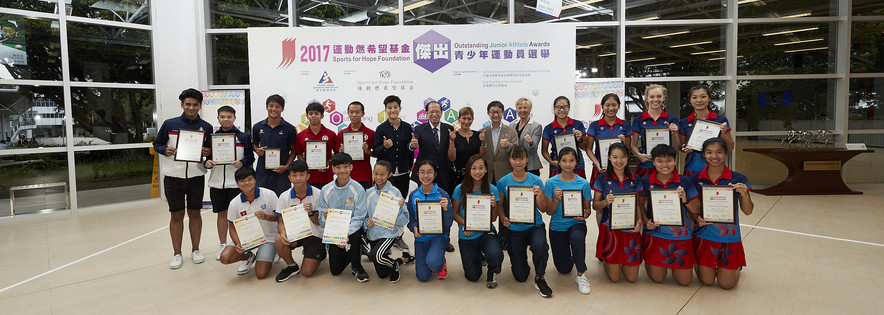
(529, 133)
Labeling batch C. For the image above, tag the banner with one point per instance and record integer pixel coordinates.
(588, 97)
(458, 66)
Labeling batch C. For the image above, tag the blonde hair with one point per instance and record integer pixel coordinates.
(655, 86)
(466, 111)
(525, 100)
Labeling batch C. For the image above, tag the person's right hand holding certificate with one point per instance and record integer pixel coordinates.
(249, 230)
(703, 130)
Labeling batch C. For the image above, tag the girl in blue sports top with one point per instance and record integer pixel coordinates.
(609, 126)
(654, 117)
(621, 250)
(700, 100)
(474, 245)
(718, 247)
(567, 236)
(429, 250)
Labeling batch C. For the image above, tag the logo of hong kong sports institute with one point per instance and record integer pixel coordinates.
(325, 78)
(432, 51)
(289, 53)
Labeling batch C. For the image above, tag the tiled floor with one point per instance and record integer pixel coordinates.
(786, 272)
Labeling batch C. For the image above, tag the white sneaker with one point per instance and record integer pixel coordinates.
(246, 265)
(177, 260)
(220, 249)
(583, 284)
(198, 258)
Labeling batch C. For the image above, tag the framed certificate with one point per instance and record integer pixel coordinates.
(386, 211)
(702, 131)
(429, 217)
(249, 230)
(572, 203)
(224, 148)
(565, 140)
(297, 223)
(655, 136)
(272, 158)
(477, 210)
(521, 204)
(719, 203)
(666, 207)
(316, 154)
(189, 147)
(604, 145)
(337, 227)
(353, 141)
(623, 212)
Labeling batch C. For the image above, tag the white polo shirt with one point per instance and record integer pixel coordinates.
(290, 198)
(265, 200)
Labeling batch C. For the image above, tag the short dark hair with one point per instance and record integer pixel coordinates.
(518, 151)
(341, 158)
(191, 93)
(362, 107)
(275, 98)
(715, 140)
(393, 98)
(315, 107)
(226, 109)
(568, 150)
(663, 150)
(494, 104)
(243, 173)
(385, 164)
(427, 106)
(298, 166)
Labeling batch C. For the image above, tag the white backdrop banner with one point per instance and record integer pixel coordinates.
(458, 66)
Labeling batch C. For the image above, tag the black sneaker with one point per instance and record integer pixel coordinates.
(491, 280)
(450, 248)
(540, 285)
(360, 274)
(394, 276)
(287, 273)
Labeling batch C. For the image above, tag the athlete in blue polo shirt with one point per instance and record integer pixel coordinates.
(609, 126)
(700, 100)
(274, 133)
(654, 117)
(562, 125)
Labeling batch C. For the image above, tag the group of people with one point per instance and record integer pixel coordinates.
(447, 164)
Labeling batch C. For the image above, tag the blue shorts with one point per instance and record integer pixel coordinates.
(266, 252)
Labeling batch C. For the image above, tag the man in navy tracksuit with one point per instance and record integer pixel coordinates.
(184, 182)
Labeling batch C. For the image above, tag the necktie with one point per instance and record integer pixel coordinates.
(436, 137)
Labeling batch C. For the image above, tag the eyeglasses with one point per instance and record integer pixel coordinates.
(429, 173)
(562, 107)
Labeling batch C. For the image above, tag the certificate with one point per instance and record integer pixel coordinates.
(297, 223)
(719, 204)
(224, 148)
(702, 131)
(337, 227)
(316, 154)
(272, 158)
(353, 141)
(477, 210)
(623, 212)
(565, 140)
(189, 147)
(429, 217)
(386, 211)
(249, 230)
(521, 204)
(655, 136)
(666, 207)
(572, 203)
(604, 146)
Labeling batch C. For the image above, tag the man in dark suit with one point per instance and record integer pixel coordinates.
(432, 139)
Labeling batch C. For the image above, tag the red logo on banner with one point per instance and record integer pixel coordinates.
(289, 50)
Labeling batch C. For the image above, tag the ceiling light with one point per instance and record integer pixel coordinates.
(708, 52)
(806, 49)
(587, 46)
(579, 3)
(803, 14)
(648, 18)
(607, 55)
(660, 64)
(791, 31)
(413, 5)
(312, 19)
(690, 44)
(716, 58)
(799, 42)
(666, 34)
(642, 59)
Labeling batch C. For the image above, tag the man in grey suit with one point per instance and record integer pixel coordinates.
(529, 134)
(499, 140)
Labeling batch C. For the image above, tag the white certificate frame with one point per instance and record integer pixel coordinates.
(561, 141)
(651, 135)
(605, 145)
(710, 195)
(521, 190)
(249, 223)
(655, 196)
(567, 195)
(353, 147)
(297, 223)
(471, 203)
(696, 138)
(222, 141)
(188, 153)
(623, 203)
(274, 155)
(310, 156)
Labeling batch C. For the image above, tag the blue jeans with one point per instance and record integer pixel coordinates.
(471, 255)
(429, 257)
(569, 248)
(518, 251)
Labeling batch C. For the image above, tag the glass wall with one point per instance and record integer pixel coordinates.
(47, 120)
